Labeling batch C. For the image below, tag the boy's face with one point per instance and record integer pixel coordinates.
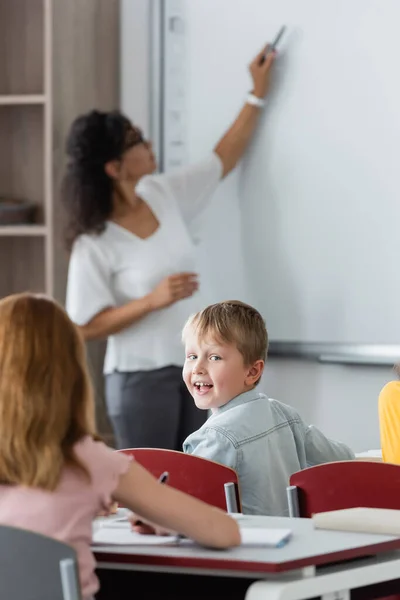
(215, 373)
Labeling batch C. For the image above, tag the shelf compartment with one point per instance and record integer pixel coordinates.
(22, 152)
(22, 263)
(21, 47)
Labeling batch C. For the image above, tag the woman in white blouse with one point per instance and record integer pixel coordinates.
(132, 275)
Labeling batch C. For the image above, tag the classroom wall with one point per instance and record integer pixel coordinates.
(135, 61)
(341, 400)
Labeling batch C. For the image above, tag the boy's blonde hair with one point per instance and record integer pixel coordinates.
(46, 398)
(233, 322)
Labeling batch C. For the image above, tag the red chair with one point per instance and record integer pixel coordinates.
(205, 479)
(345, 484)
(348, 484)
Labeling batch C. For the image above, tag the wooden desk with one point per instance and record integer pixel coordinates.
(290, 566)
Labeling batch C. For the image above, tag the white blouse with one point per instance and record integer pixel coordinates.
(116, 266)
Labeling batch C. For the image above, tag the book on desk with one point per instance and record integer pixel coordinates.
(384, 521)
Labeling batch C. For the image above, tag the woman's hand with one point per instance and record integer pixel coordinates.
(173, 288)
(113, 320)
(261, 72)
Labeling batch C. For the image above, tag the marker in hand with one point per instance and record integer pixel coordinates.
(272, 47)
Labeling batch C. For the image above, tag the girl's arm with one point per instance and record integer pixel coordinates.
(139, 491)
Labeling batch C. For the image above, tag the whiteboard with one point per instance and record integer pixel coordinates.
(307, 227)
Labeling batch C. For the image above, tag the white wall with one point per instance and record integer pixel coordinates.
(135, 73)
(341, 400)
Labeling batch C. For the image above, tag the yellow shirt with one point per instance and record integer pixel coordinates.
(389, 422)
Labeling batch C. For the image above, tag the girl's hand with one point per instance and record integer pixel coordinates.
(261, 72)
(110, 511)
(139, 525)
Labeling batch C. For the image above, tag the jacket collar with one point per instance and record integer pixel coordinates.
(239, 400)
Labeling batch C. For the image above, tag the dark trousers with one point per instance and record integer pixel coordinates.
(151, 409)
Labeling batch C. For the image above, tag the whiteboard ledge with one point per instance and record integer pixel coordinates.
(332, 353)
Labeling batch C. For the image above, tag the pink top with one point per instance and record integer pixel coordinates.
(67, 513)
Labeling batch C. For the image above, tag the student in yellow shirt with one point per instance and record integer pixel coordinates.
(389, 421)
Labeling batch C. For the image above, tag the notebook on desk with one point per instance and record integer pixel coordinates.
(124, 536)
(385, 521)
(120, 533)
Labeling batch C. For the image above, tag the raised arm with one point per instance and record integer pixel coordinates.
(234, 142)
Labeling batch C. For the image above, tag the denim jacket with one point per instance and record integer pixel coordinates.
(265, 441)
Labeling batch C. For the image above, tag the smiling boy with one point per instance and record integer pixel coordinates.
(264, 440)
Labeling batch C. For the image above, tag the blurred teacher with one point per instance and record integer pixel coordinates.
(132, 274)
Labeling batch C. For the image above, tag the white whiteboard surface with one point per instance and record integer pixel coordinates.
(308, 227)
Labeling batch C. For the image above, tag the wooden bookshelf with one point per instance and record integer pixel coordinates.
(23, 230)
(58, 59)
(24, 99)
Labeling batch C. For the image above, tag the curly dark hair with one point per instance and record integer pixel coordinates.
(94, 139)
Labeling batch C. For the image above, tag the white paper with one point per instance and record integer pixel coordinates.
(120, 533)
(124, 536)
(259, 537)
(121, 514)
(262, 536)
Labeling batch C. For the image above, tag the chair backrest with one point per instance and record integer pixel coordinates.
(346, 484)
(199, 477)
(35, 567)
